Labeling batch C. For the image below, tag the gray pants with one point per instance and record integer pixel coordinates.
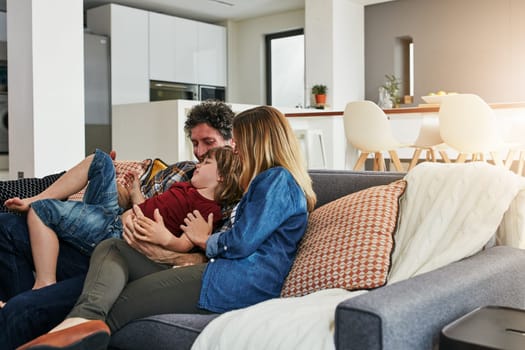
(123, 285)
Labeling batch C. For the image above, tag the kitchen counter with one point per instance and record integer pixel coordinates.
(154, 124)
(406, 123)
(422, 108)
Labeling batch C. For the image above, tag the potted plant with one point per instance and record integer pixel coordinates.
(391, 86)
(319, 91)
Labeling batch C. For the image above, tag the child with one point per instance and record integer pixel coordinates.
(84, 224)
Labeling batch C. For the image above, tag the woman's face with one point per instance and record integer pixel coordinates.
(206, 174)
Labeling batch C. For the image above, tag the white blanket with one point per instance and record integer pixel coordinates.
(448, 212)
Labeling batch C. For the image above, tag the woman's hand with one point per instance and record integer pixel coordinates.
(197, 229)
(147, 230)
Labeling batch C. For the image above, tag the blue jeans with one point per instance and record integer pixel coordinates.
(34, 312)
(16, 261)
(87, 223)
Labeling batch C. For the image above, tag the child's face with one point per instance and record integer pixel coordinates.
(206, 174)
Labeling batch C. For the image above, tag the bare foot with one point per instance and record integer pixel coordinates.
(41, 284)
(17, 204)
(2, 304)
(69, 322)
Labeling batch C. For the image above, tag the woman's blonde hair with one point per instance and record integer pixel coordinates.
(228, 167)
(264, 139)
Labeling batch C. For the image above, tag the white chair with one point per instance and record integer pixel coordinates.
(468, 125)
(367, 128)
(430, 141)
(312, 144)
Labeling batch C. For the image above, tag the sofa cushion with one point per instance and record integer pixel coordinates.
(24, 188)
(153, 167)
(348, 242)
(122, 167)
(170, 331)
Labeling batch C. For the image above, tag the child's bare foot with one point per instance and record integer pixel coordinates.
(17, 204)
(2, 304)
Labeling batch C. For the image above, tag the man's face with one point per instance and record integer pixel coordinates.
(203, 137)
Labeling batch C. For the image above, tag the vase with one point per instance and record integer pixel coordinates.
(320, 99)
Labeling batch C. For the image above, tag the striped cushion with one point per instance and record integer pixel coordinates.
(121, 168)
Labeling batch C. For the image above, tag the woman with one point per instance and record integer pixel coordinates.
(248, 264)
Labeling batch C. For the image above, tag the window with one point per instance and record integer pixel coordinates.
(285, 69)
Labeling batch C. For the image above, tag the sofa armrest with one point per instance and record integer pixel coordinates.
(410, 314)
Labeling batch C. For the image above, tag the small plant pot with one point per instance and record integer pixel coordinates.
(320, 99)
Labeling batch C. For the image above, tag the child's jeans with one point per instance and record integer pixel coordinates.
(85, 224)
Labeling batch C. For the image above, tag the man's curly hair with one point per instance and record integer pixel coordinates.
(216, 114)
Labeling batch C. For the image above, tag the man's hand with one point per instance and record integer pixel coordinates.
(161, 255)
(154, 251)
(186, 259)
(132, 185)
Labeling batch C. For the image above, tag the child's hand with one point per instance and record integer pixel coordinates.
(151, 231)
(197, 229)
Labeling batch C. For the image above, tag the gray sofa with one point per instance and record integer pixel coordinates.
(404, 315)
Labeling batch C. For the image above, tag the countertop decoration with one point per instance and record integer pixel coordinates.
(391, 86)
(319, 91)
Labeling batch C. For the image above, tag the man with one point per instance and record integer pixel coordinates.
(30, 313)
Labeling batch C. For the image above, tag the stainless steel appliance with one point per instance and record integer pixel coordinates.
(161, 90)
(4, 134)
(97, 92)
(208, 92)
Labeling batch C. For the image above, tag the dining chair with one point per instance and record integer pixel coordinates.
(429, 140)
(368, 129)
(468, 125)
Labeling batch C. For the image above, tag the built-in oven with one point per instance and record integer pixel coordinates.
(161, 90)
(208, 92)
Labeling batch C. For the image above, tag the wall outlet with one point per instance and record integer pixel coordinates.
(20, 174)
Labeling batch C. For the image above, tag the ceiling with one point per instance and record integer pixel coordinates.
(216, 10)
(209, 10)
(212, 11)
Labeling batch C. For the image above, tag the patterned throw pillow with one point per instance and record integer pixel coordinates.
(348, 243)
(153, 167)
(121, 168)
(24, 188)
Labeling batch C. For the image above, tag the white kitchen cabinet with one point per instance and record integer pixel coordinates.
(211, 56)
(128, 31)
(173, 47)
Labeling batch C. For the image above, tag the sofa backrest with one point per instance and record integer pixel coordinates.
(333, 184)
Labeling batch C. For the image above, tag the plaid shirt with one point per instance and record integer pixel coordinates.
(180, 172)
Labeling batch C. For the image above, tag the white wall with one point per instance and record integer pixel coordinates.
(335, 49)
(319, 45)
(46, 85)
(348, 53)
(473, 46)
(246, 61)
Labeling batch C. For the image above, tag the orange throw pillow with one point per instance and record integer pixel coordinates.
(348, 242)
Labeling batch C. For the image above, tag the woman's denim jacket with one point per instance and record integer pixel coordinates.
(249, 263)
